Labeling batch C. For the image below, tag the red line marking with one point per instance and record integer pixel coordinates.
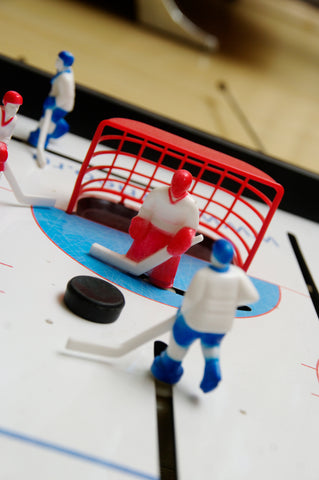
(294, 291)
(2, 291)
(317, 373)
(6, 189)
(284, 287)
(309, 366)
(6, 265)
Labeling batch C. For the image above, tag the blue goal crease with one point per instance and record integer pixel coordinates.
(75, 235)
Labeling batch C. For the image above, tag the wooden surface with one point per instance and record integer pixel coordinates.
(268, 60)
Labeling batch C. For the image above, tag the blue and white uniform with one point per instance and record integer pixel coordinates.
(207, 313)
(60, 100)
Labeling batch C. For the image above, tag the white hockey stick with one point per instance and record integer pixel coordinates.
(135, 268)
(42, 137)
(74, 346)
(34, 200)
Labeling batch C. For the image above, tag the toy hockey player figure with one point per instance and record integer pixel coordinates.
(207, 314)
(11, 104)
(60, 100)
(168, 218)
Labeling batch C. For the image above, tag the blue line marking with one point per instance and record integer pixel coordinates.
(74, 453)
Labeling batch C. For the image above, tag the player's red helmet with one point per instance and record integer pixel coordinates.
(181, 182)
(12, 97)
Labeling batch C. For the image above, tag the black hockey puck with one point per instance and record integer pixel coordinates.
(94, 299)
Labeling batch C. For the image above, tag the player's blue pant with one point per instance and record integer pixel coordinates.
(184, 335)
(61, 127)
(168, 366)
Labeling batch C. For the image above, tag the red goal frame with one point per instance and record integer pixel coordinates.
(127, 158)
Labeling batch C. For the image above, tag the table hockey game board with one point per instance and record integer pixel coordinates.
(89, 416)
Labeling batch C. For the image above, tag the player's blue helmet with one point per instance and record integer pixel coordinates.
(67, 58)
(222, 254)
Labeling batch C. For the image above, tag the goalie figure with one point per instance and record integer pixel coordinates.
(207, 314)
(168, 218)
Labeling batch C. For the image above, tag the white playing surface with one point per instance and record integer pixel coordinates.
(65, 417)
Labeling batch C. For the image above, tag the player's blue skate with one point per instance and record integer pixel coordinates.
(166, 369)
(212, 375)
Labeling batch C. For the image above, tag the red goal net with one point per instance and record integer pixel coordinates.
(126, 159)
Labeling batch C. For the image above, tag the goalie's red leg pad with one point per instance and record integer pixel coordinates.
(154, 240)
(163, 275)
